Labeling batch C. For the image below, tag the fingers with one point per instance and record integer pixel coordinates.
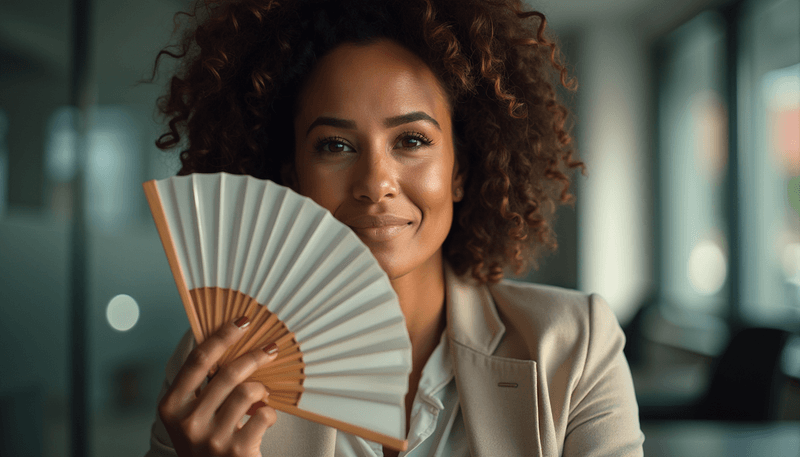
(231, 376)
(261, 419)
(239, 403)
(212, 420)
(200, 360)
(207, 354)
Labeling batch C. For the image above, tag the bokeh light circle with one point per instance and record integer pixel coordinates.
(707, 268)
(122, 312)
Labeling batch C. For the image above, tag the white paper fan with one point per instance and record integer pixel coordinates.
(240, 246)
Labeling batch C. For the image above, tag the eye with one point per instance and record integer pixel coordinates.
(332, 146)
(413, 140)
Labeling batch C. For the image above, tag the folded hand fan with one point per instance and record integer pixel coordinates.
(240, 246)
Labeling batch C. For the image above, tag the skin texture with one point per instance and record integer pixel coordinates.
(205, 422)
(373, 138)
(374, 146)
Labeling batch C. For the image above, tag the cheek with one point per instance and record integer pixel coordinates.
(320, 185)
(431, 186)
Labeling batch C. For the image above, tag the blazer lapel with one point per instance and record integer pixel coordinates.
(497, 395)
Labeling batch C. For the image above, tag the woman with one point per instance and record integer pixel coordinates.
(431, 128)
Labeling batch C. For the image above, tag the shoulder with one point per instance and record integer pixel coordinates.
(551, 306)
(547, 319)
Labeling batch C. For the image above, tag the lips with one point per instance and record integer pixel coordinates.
(378, 228)
(377, 221)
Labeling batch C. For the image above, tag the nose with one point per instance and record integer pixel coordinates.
(375, 177)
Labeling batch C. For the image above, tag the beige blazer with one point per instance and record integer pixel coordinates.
(539, 371)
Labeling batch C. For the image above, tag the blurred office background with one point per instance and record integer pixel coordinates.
(688, 116)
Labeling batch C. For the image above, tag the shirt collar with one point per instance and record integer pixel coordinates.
(472, 318)
(437, 372)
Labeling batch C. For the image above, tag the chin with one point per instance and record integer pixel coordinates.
(397, 265)
(393, 267)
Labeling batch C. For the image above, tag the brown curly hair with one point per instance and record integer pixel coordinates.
(243, 63)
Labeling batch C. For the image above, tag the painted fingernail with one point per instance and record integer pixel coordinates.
(271, 348)
(242, 322)
(255, 406)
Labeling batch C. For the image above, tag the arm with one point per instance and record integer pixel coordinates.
(604, 416)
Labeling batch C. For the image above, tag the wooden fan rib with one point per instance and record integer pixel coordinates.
(266, 322)
(235, 305)
(219, 310)
(262, 322)
(380, 438)
(267, 377)
(264, 325)
(268, 327)
(296, 378)
(162, 226)
(291, 398)
(198, 296)
(230, 301)
(295, 363)
(285, 387)
(208, 301)
(287, 357)
(296, 366)
(292, 347)
(244, 306)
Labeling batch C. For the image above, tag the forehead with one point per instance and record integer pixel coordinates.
(381, 78)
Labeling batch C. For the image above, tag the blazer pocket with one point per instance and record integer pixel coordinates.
(498, 398)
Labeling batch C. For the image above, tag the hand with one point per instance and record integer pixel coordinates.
(210, 424)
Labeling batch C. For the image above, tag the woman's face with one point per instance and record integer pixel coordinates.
(374, 146)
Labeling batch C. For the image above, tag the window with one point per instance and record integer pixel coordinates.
(693, 164)
(769, 148)
(717, 218)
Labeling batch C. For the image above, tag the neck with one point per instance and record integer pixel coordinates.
(422, 297)
(421, 293)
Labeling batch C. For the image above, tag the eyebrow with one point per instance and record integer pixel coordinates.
(410, 117)
(388, 122)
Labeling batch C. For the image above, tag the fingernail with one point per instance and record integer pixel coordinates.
(255, 406)
(271, 348)
(242, 322)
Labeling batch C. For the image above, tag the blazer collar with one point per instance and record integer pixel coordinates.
(472, 318)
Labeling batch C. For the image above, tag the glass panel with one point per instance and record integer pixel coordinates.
(769, 119)
(136, 315)
(693, 163)
(34, 345)
(3, 162)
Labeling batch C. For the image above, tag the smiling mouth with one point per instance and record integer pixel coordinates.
(384, 232)
(378, 221)
(378, 227)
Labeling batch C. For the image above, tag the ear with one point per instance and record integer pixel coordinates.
(289, 176)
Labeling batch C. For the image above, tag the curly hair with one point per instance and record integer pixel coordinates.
(243, 62)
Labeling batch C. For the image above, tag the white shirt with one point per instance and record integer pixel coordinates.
(437, 428)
